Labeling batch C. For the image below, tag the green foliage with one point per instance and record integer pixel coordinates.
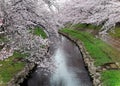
(3, 39)
(42, 46)
(91, 26)
(80, 26)
(99, 50)
(39, 32)
(19, 55)
(11, 66)
(86, 26)
(116, 32)
(111, 78)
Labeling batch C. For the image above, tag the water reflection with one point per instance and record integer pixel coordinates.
(70, 67)
(62, 76)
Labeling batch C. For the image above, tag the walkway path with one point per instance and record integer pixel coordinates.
(112, 41)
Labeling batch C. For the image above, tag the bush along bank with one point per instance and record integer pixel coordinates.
(103, 67)
(21, 75)
(14, 69)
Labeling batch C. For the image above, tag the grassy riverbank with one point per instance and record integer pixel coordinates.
(94, 46)
(111, 78)
(101, 52)
(85, 26)
(38, 31)
(10, 67)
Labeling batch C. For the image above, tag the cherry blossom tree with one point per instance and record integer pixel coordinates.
(21, 15)
(104, 12)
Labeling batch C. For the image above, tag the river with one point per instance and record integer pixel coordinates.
(70, 69)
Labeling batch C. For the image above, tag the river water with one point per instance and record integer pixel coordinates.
(69, 71)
